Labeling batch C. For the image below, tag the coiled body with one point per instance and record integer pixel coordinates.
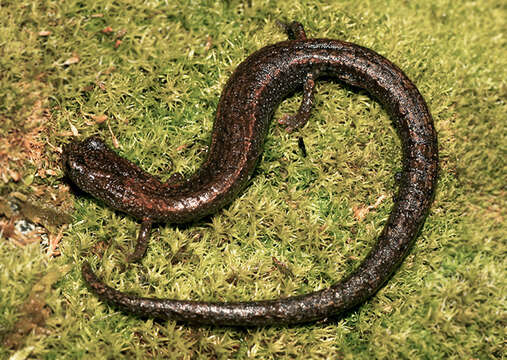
(243, 115)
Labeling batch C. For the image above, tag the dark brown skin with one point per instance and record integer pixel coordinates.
(242, 119)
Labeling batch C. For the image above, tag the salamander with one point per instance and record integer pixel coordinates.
(243, 115)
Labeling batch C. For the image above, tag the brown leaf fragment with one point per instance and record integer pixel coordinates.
(282, 267)
(15, 176)
(88, 88)
(121, 33)
(109, 70)
(101, 85)
(19, 195)
(99, 119)
(209, 43)
(99, 248)
(72, 60)
(67, 133)
(360, 212)
(50, 172)
(23, 239)
(7, 228)
(181, 147)
(113, 137)
(107, 30)
(54, 241)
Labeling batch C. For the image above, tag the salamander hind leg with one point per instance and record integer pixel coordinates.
(297, 121)
(142, 241)
(294, 30)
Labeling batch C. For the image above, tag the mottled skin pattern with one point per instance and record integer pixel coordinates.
(242, 119)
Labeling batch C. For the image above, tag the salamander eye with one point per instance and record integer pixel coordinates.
(70, 165)
(94, 143)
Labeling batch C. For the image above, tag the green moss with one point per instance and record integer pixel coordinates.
(159, 89)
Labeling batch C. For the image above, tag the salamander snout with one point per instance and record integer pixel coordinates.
(81, 158)
(68, 158)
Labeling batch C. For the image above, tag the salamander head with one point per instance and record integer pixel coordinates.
(87, 163)
(80, 153)
(96, 169)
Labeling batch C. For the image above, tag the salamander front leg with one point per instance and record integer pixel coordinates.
(294, 122)
(142, 241)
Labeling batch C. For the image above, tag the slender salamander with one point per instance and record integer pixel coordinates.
(243, 115)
